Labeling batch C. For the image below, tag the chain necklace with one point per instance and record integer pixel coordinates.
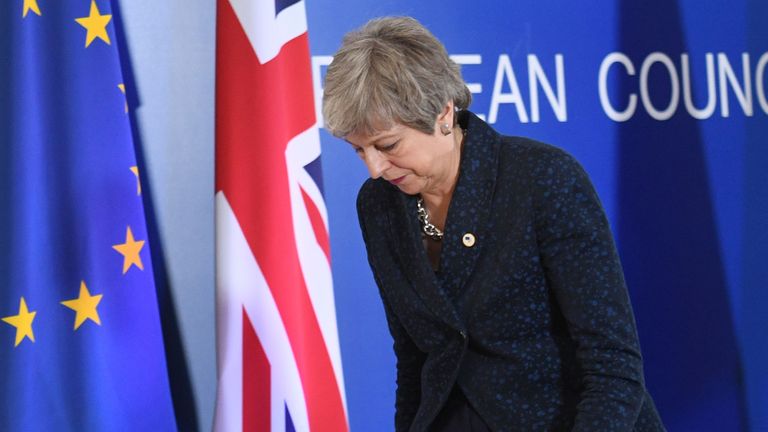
(429, 229)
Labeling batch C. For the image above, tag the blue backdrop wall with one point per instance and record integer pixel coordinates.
(665, 105)
(663, 102)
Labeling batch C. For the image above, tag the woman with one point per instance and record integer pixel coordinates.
(495, 262)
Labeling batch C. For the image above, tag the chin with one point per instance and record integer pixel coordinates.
(408, 189)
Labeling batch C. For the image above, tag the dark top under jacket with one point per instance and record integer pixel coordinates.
(532, 322)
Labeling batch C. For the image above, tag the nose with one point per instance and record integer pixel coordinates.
(375, 162)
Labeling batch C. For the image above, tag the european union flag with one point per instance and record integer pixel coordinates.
(80, 339)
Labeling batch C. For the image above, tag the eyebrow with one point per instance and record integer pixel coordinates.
(377, 141)
(384, 137)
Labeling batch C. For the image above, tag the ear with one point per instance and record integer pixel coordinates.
(446, 115)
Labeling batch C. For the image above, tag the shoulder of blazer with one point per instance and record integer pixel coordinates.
(367, 193)
(533, 165)
(373, 199)
(530, 153)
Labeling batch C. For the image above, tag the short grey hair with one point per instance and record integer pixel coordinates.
(391, 70)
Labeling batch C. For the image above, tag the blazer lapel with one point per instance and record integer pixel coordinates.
(406, 231)
(466, 225)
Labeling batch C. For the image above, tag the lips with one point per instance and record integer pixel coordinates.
(397, 180)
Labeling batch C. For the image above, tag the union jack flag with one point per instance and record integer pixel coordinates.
(279, 363)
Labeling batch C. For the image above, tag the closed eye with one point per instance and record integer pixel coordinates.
(388, 148)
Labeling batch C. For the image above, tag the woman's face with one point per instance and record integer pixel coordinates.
(415, 162)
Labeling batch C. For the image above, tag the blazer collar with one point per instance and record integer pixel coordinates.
(467, 216)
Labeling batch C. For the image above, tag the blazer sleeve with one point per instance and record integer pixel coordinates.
(584, 272)
(410, 359)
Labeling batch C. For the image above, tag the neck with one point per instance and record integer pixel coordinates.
(438, 200)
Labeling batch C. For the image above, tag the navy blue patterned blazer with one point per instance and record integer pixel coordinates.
(533, 321)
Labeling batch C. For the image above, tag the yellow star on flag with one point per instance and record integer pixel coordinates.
(85, 306)
(30, 5)
(22, 322)
(135, 170)
(130, 251)
(96, 24)
(122, 90)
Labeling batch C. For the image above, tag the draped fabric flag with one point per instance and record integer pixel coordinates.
(81, 347)
(278, 350)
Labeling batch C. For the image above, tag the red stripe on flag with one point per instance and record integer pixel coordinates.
(318, 226)
(259, 108)
(256, 381)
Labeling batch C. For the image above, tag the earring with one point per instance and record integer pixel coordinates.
(445, 129)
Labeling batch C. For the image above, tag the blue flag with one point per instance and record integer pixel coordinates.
(81, 346)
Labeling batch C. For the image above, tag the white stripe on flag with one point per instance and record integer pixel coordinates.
(240, 283)
(316, 270)
(267, 32)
